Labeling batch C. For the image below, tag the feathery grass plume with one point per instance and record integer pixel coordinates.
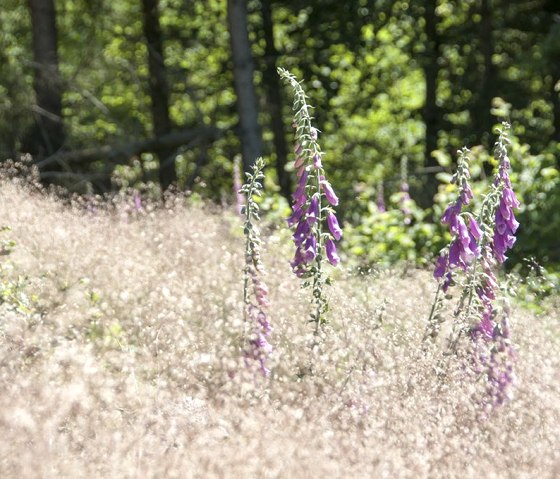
(313, 203)
(255, 291)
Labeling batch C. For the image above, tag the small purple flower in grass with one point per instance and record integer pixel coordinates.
(332, 255)
(137, 201)
(333, 226)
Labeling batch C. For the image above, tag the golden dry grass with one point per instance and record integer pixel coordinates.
(119, 358)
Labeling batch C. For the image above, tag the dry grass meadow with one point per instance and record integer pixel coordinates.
(120, 334)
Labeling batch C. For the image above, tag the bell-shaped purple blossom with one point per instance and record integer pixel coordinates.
(329, 192)
(302, 232)
(334, 227)
(310, 249)
(295, 216)
(317, 161)
(313, 211)
(474, 228)
(441, 266)
(485, 328)
(332, 255)
(450, 216)
(466, 194)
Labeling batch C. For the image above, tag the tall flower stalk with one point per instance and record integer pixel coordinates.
(478, 250)
(463, 248)
(255, 291)
(313, 218)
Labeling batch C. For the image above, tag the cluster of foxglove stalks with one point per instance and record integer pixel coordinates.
(477, 249)
(313, 203)
(255, 291)
(463, 248)
(500, 224)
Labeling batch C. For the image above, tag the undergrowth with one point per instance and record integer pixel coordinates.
(120, 339)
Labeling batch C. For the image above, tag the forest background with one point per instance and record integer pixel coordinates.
(147, 94)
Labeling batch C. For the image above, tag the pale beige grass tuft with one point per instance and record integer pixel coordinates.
(120, 339)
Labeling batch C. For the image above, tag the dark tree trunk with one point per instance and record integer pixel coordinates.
(430, 113)
(159, 92)
(249, 131)
(274, 100)
(555, 95)
(482, 117)
(47, 135)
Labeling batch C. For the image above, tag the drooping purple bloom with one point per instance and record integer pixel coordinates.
(301, 232)
(455, 255)
(295, 216)
(466, 193)
(313, 211)
(448, 281)
(298, 259)
(334, 227)
(332, 255)
(329, 192)
(450, 216)
(485, 327)
(474, 228)
(310, 249)
(317, 161)
(441, 266)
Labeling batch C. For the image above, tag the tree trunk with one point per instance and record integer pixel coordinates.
(555, 95)
(482, 117)
(430, 111)
(247, 109)
(159, 92)
(47, 135)
(273, 89)
(121, 154)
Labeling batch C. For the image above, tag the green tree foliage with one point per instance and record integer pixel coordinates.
(366, 64)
